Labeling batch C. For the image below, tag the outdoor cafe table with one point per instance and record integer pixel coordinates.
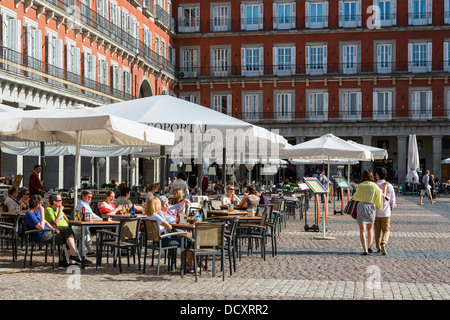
(94, 223)
(225, 212)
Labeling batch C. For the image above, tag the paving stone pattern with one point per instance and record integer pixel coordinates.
(417, 267)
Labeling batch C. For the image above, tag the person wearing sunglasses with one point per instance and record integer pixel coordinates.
(24, 198)
(54, 214)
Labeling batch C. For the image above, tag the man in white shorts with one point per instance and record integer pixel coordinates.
(425, 188)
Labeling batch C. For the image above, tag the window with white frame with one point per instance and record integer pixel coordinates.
(102, 14)
(350, 13)
(193, 97)
(221, 20)
(115, 13)
(447, 11)
(157, 43)
(316, 59)
(420, 12)
(351, 107)
(11, 28)
(284, 15)
(221, 102)
(54, 50)
(116, 75)
(284, 60)
(251, 105)
(220, 61)
(316, 14)
(252, 16)
(189, 66)
(162, 48)
(420, 103)
(147, 37)
(127, 81)
(384, 54)
(420, 56)
(102, 69)
(383, 100)
(72, 57)
(125, 21)
(33, 46)
(317, 105)
(446, 56)
(252, 61)
(350, 58)
(88, 64)
(385, 13)
(189, 18)
(283, 105)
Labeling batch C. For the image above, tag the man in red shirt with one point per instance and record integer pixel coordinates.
(34, 183)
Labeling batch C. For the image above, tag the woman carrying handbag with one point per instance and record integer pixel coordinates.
(369, 197)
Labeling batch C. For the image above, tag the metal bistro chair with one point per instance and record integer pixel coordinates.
(253, 231)
(30, 242)
(127, 238)
(151, 233)
(231, 243)
(209, 240)
(9, 232)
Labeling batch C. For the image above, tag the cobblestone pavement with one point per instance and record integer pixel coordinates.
(417, 267)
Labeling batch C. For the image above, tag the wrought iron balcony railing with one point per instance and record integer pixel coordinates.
(316, 69)
(36, 70)
(339, 116)
(82, 14)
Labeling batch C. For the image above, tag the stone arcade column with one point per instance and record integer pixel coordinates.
(300, 168)
(367, 165)
(437, 157)
(402, 157)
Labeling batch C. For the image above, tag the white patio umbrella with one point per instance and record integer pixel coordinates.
(33, 149)
(446, 160)
(193, 123)
(327, 147)
(377, 153)
(86, 126)
(413, 160)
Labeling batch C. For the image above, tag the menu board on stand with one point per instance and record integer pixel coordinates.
(320, 195)
(342, 185)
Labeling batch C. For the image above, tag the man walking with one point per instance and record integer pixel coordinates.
(426, 188)
(383, 217)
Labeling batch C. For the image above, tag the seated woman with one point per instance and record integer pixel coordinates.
(177, 196)
(35, 220)
(170, 212)
(230, 197)
(250, 199)
(107, 208)
(153, 212)
(24, 198)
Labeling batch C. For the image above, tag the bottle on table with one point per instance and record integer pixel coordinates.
(133, 210)
(83, 214)
(178, 216)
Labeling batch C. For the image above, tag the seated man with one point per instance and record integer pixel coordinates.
(11, 200)
(124, 199)
(54, 215)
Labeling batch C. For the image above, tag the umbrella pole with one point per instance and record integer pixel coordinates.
(325, 212)
(77, 173)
